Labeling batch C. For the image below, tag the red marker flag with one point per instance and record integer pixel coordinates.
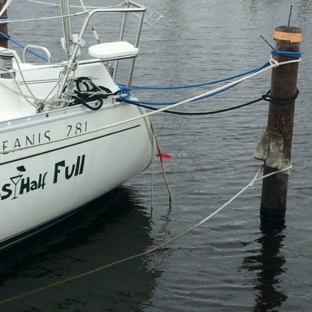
(162, 155)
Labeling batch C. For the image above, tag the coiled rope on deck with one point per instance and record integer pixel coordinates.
(153, 249)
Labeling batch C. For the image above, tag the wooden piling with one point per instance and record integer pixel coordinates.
(3, 27)
(280, 123)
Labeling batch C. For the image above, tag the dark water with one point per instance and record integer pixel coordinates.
(227, 264)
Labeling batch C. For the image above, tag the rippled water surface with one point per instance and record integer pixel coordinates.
(228, 263)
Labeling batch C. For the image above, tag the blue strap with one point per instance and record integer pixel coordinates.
(21, 46)
(286, 53)
(125, 94)
(199, 84)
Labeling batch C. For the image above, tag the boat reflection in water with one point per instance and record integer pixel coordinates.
(111, 228)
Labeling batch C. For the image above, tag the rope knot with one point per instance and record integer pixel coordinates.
(274, 62)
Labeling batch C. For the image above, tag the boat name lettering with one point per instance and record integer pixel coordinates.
(68, 171)
(77, 128)
(27, 140)
(28, 185)
(22, 183)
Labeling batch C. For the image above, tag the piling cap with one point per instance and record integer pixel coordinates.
(292, 34)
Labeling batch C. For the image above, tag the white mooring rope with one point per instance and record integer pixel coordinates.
(250, 184)
(211, 92)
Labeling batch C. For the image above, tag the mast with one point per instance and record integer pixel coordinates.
(67, 41)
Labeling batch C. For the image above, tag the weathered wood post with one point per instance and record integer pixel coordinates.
(275, 145)
(3, 27)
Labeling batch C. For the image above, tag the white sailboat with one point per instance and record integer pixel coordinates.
(65, 137)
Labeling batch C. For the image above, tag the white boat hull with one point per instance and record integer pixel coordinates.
(69, 159)
(65, 136)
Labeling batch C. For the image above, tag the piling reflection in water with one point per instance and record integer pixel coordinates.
(269, 264)
(112, 228)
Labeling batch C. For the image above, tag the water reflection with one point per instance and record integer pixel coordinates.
(109, 229)
(268, 264)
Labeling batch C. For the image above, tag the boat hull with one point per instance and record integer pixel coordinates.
(52, 164)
